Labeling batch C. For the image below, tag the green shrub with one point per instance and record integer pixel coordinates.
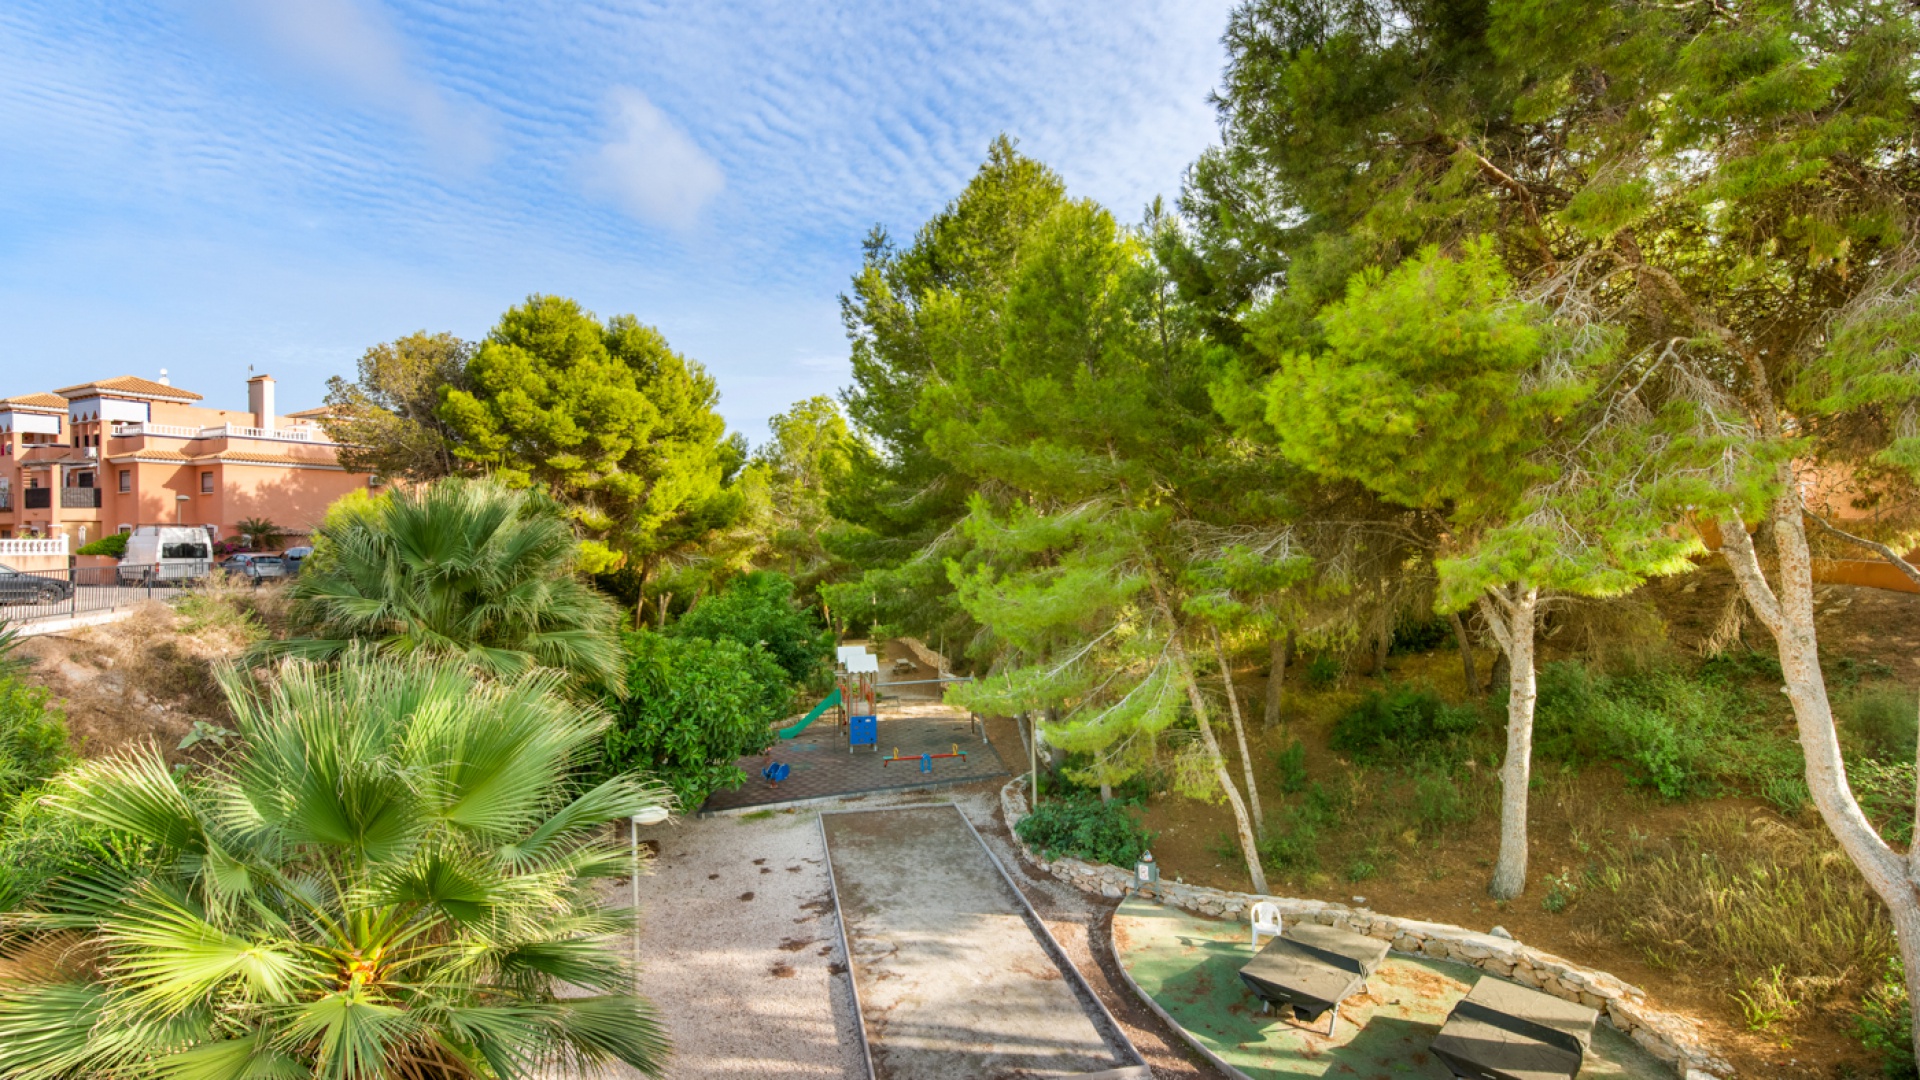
(1400, 719)
(1291, 764)
(1885, 790)
(113, 545)
(1884, 719)
(1884, 1023)
(1083, 827)
(693, 707)
(757, 609)
(1420, 635)
(1322, 671)
(1359, 869)
(1069, 780)
(1291, 846)
(33, 738)
(1438, 801)
(1683, 734)
(39, 844)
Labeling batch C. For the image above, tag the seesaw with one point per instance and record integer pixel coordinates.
(925, 760)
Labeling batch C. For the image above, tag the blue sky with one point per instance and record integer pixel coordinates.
(202, 185)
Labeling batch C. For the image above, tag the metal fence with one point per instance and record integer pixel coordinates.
(28, 595)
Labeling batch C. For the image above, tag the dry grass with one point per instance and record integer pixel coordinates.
(150, 676)
(1774, 912)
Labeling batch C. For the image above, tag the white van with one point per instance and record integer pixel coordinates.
(167, 553)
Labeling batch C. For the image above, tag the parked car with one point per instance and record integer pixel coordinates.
(257, 568)
(20, 587)
(166, 553)
(295, 556)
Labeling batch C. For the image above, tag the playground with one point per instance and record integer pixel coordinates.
(875, 731)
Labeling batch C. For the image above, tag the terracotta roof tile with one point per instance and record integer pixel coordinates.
(37, 401)
(130, 384)
(152, 455)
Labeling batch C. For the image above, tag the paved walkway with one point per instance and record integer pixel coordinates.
(822, 768)
(954, 982)
(1190, 967)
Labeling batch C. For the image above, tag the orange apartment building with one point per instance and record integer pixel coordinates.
(110, 455)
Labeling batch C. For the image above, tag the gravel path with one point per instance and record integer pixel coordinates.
(740, 950)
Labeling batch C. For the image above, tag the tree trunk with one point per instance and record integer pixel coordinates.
(1381, 644)
(1106, 792)
(1183, 669)
(666, 601)
(1282, 647)
(1788, 615)
(1466, 653)
(1511, 613)
(1240, 736)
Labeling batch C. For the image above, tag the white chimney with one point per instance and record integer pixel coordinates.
(164, 381)
(260, 400)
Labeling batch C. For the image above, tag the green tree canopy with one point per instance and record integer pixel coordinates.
(604, 417)
(387, 421)
(908, 309)
(757, 610)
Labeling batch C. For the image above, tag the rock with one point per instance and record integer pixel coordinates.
(1111, 891)
(1436, 949)
(1406, 943)
(1359, 900)
(1501, 931)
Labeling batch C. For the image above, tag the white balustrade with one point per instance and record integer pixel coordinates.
(52, 546)
(171, 431)
(222, 431)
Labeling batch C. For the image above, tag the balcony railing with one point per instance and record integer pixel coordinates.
(171, 431)
(37, 498)
(79, 498)
(222, 431)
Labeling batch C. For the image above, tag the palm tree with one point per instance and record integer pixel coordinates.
(385, 880)
(463, 568)
(259, 533)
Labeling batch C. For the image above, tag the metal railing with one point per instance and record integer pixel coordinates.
(80, 498)
(37, 498)
(30, 595)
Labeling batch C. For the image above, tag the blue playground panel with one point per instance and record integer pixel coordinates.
(863, 731)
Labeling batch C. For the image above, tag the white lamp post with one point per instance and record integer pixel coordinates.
(652, 815)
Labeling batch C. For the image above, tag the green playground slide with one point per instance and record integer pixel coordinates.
(831, 700)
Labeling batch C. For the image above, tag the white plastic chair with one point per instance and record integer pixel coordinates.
(1266, 920)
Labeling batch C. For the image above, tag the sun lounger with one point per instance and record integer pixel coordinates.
(1312, 968)
(1501, 1031)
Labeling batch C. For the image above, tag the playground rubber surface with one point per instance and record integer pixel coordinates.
(1190, 967)
(822, 768)
(954, 980)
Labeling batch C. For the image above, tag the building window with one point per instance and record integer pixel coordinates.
(126, 480)
(83, 536)
(206, 482)
(126, 528)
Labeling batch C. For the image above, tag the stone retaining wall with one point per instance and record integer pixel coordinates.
(1672, 1038)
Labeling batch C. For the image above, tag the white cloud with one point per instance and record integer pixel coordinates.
(650, 167)
(351, 45)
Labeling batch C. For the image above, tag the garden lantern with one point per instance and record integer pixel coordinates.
(1146, 871)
